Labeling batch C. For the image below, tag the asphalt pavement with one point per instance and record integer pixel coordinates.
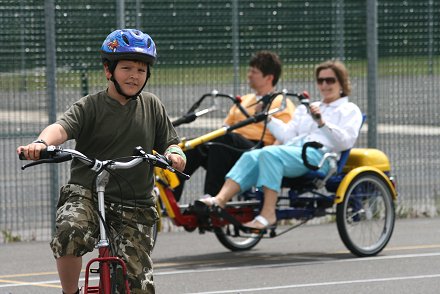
(309, 259)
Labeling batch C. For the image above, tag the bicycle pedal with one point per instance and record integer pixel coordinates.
(248, 230)
(272, 233)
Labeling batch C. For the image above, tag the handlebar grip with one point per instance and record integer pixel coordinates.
(317, 116)
(315, 145)
(49, 155)
(187, 118)
(306, 103)
(44, 154)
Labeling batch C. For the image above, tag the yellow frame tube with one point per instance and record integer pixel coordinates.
(202, 139)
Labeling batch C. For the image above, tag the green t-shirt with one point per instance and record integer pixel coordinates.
(105, 129)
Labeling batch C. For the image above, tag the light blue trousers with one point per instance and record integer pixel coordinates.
(267, 166)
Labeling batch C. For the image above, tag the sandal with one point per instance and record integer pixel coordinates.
(208, 201)
(259, 219)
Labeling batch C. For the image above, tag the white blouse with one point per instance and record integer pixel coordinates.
(343, 120)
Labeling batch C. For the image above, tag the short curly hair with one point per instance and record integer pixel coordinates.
(268, 63)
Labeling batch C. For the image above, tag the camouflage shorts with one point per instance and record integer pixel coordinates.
(77, 230)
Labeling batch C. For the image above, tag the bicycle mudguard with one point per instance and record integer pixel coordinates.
(367, 157)
(165, 202)
(167, 176)
(343, 186)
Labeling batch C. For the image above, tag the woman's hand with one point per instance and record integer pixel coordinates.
(316, 114)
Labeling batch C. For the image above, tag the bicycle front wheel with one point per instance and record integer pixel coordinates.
(233, 239)
(365, 218)
(155, 231)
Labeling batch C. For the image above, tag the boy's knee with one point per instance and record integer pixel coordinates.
(71, 240)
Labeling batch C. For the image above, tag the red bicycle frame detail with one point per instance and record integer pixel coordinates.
(104, 261)
(190, 222)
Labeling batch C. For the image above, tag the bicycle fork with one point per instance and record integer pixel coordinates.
(105, 260)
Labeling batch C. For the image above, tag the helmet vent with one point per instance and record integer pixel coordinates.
(124, 37)
(148, 42)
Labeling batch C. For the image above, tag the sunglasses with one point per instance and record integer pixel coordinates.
(329, 81)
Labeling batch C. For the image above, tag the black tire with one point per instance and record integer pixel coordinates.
(157, 225)
(230, 238)
(154, 234)
(365, 218)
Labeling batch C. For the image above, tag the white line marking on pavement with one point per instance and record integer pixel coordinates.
(180, 272)
(374, 258)
(21, 284)
(323, 284)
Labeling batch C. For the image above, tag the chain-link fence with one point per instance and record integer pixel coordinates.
(50, 58)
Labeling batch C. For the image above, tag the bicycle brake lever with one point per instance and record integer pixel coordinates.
(159, 160)
(37, 162)
(61, 157)
(183, 175)
(167, 164)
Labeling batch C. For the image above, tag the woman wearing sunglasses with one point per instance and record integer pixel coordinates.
(334, 122)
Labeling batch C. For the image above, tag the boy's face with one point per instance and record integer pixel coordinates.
(130, 75)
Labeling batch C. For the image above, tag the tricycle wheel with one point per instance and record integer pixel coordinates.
(234, 239)
(365, 218)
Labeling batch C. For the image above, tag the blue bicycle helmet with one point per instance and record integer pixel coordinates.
(129, 44)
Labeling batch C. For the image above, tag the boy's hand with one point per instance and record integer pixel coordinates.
(177, 161)
(31, 151)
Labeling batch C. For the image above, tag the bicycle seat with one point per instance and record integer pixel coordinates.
(309, 179)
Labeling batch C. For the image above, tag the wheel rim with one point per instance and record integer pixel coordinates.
(229, 237)
(368, 214)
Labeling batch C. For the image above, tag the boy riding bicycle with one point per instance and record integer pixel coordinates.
(110, 124)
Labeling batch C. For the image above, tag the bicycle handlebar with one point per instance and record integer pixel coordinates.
(191, 115)
(257, 117)
(306, 102)
(327, 156)
(53, 154)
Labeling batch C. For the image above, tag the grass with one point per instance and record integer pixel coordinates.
(8, 237)
(219, 74)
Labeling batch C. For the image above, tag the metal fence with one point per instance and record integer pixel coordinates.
(49, 58)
